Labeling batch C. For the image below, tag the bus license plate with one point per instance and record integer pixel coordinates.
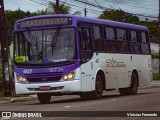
(44, 88)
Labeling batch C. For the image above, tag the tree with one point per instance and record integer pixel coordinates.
(12, 16)
(153, 28)
(43, 12)
(62, 8)
(118, 15)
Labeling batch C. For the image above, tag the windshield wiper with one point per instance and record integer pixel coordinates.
(33, 40)
(55, 38)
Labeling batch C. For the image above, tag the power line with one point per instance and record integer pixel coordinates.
(80, 6)
(39, 3)
(104, 8)
(136, 3)
(97, 6)
(68, 4)
(130, 5)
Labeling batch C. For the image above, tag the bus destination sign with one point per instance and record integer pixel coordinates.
(44, 22)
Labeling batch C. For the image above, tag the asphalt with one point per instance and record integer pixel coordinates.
(153, 84)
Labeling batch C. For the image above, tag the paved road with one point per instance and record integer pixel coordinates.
(145, 100)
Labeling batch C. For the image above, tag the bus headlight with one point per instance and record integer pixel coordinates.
(21, 79)
(69, 76)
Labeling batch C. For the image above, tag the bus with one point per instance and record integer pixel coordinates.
(67, 54)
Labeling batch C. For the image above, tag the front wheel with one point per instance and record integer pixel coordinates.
(44, 97)
(98, 87)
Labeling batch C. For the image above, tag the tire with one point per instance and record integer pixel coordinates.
(98, 87)
(44, 97)
(134, 86)
(94, 94)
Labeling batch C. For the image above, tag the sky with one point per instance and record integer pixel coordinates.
(142, 7)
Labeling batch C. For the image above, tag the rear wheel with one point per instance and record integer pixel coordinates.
(44, 97)
(134, 86)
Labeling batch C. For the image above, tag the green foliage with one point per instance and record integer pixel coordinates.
(43, 12)
(153, 28)
(118, 15)
(154, 54)
(156, 76)
(12, 16)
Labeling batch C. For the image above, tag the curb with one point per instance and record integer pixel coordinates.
(23, 99)
(150, 86)
(20, 99)
(153, 84)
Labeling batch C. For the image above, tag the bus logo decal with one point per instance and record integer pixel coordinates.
(56, 69)
(114, 63)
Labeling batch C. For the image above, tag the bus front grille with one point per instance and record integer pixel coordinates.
(44, 79)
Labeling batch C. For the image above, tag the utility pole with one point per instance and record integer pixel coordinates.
(159, 35)
(57, 6)
(85, 9)
(7, 80)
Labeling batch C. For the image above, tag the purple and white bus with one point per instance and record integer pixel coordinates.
(67, 54)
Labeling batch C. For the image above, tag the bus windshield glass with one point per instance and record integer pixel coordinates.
(43, 47)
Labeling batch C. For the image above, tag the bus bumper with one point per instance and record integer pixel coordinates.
(54, 87)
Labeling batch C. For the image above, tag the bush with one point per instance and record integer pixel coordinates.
(156, 76)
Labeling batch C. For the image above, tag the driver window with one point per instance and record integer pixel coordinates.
(85, 38)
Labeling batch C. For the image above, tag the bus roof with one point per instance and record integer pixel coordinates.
(91, 20)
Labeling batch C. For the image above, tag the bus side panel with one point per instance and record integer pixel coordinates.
(89, 71)
(86, 76)
(143, 64)
(117, 69)
(122, 65)
(140, 63)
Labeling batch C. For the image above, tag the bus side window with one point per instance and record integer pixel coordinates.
(134, 42)
(110, 42)
(99, 42)
(144, 43)
(85, 39)
(122, 41)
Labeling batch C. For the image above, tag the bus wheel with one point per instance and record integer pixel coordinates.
(134, 86)
(44, 97)
(98, 88)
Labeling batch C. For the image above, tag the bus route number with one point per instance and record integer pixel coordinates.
(27, 71)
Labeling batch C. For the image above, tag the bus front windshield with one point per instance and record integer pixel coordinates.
(43, 47)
